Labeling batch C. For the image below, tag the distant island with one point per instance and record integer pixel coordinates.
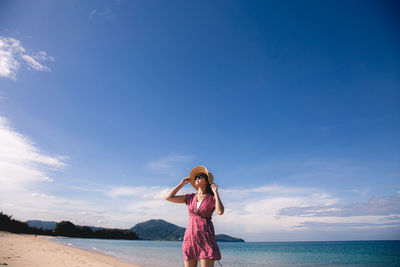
(148, 230)
(163, 230)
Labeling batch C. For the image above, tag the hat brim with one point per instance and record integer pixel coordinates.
(197, 170)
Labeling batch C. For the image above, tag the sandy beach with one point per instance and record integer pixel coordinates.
(28, 250)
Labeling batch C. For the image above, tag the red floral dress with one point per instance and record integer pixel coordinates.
(199, 241)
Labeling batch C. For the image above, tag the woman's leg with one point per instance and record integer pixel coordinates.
(191, 263)
(206, 263)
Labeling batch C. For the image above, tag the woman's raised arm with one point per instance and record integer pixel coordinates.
(177, 199)
(219, 208)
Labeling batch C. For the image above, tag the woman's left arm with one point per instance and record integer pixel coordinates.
(219, 208)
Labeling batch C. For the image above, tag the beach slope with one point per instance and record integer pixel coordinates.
(28, 250)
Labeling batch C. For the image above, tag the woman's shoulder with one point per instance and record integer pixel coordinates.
(190, 195)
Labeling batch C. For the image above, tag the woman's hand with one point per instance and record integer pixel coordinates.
(185, 181)
(214, 188)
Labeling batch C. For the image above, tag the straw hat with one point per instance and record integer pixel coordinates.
(196, 171)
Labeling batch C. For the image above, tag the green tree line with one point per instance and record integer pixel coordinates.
(64, 228)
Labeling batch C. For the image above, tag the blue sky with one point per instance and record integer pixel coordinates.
(106, 105)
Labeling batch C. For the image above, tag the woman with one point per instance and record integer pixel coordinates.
(199, 242)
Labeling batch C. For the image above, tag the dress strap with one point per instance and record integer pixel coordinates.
(219, 263)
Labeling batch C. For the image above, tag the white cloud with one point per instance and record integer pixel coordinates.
(13, 54)
(249, 212)
(255, 213)
(24, 168)
(379, 205)
(21, 162)
(256, 210)
(42, 55)
(42, 195)
(34, 64)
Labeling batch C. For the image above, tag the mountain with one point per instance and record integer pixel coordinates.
(45, 225)
(163, 230)
(159, 230)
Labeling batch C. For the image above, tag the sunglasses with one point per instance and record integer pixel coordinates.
(200, 176)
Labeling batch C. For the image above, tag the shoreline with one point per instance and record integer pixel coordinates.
(28, 250)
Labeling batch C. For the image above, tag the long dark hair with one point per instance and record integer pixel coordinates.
(208, 188)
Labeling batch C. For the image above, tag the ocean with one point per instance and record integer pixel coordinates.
(169, 253)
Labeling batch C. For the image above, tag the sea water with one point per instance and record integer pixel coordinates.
(169, 253)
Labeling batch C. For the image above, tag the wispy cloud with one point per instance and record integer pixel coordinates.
(168, 164)
(107, 14)
(13, 54)
(92, 13)
(42, 196)
(381, 205)
(34, 64)
(154, 192)
(361, 191)
(346, 225)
